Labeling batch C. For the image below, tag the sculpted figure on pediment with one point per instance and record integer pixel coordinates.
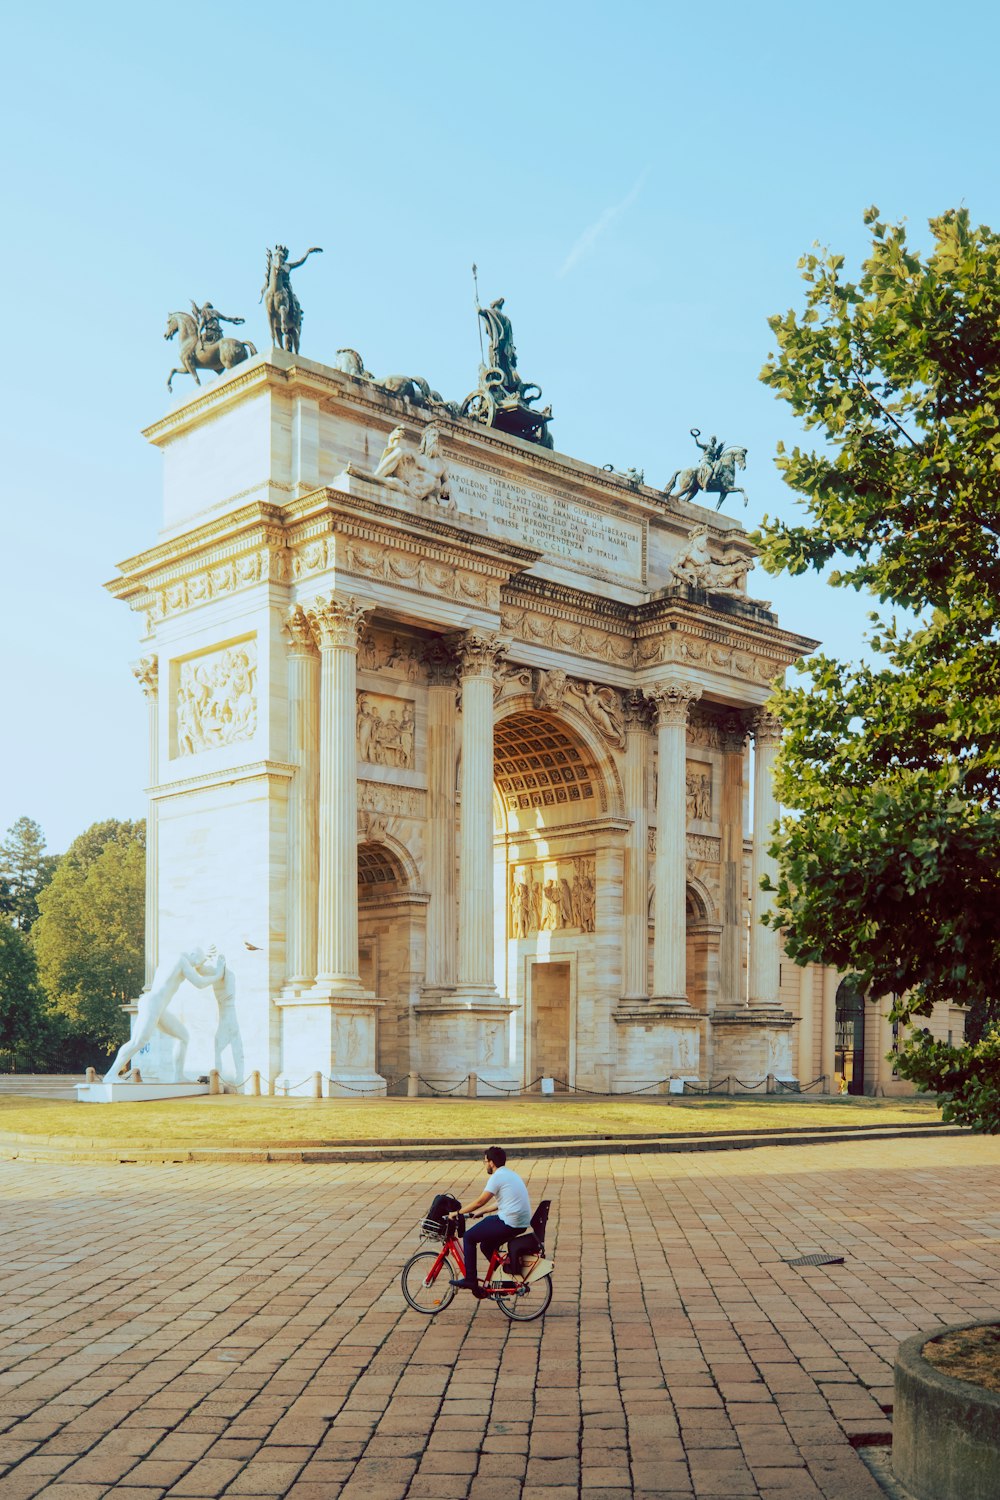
(603, 706)
(695, 566)
(419, 472)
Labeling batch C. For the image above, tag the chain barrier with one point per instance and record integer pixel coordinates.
(337, 1083)
(442, 1092)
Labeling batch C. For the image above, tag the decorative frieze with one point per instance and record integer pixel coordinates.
(394, 801)
(538, 628)
(386, 729)
(698, 846)
(552, 896)
(390, 654)
(216, 698)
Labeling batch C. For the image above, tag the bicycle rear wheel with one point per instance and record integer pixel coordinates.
(528, 1302)
(423, 1296)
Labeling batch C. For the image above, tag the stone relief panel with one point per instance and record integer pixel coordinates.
(561, 634)
(265, 564)
(699, 790)
(552, 896)
(216, 699)
(395, 801)
(396, 655)
(386, 728)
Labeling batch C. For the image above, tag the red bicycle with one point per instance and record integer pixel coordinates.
(518, 1279)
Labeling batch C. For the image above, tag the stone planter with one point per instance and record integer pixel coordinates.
(945, 1432)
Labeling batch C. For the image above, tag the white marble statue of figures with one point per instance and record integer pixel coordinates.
(694, 565)
(227, 1032)
(153, 1014)
(417, 472)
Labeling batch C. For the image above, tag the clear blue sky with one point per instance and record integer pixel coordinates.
(637, 179)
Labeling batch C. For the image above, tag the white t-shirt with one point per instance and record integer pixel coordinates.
(513, 1203)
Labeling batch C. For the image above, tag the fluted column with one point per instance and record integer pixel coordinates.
(635, 962)
(336, 624)
(478, 653)
(673, 698)
(765, 951)
(146, 671)
(303, 799)
(441, 765)
(733, 742)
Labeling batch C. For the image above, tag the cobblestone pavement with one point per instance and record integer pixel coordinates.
(238, 1330)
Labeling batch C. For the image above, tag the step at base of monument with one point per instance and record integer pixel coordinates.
(136, 1093)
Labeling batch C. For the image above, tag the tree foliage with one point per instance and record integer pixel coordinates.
(23, 1011)
(25, 871)
(890, 866)
(89, 937)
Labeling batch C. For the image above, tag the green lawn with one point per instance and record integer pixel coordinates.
(236, 1121)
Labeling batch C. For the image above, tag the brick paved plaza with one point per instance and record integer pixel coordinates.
(239, 1330)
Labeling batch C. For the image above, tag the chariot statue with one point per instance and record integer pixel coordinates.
(284, 311)
(203, 346)
(714, 473)
(502, 399)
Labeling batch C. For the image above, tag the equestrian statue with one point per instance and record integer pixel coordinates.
(714, 473)
(202, 344)
(284, 311)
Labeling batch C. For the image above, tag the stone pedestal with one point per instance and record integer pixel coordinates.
(748, 1047)
(455, 1039)
(333, 1038)
(655, 1043)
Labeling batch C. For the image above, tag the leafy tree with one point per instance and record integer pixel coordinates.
(89, 937)
(25, 871)
(23, 1011)
(890, 865)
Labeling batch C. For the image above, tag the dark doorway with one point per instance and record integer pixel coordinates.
(850, 1063)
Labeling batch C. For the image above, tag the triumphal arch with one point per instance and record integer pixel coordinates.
(454, 742)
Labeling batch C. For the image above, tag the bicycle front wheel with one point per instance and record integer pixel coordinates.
(424, 1295)
(528, 1302)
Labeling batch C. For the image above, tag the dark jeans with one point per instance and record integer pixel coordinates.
(491, 1233)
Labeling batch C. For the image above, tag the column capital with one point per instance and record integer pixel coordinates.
(672, 698)
(337, 620)
(441, 663)
(479, 652)
(638, 712)
(299, 631)
(733, 734)
(767, 728)
(146, 674)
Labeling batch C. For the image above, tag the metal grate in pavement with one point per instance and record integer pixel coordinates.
(815, 1260)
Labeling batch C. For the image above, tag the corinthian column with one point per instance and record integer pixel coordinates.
(478, 654)
(441, 763)
(635, 980)
(765, 953)
(672, 698)
(733, 742)
(303, 799)
(147, 675)
(336, 624)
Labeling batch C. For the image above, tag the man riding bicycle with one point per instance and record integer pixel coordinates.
(512, 1217)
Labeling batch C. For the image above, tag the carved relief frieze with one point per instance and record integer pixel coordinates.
(393, 655)
(552, 896)
(265, 564)
(394, 801)
(216, 698)
(539, 628)
(386, 728)
(699, 846)
(699, 791)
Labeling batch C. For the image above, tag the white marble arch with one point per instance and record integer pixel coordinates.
(703, 901)
(575, 724)
(391, 943)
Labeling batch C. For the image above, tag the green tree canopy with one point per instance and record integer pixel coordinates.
(25, 871)
(23, 1020)
(89, 936)
(890, 865)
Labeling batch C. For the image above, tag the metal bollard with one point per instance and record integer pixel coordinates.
(317, 1085)
(473, 1085)
(412, 1085)
(255, 1083)
(214, 1086)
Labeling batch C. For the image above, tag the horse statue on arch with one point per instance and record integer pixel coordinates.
(219, 355)
(283, 308)
(715, 474)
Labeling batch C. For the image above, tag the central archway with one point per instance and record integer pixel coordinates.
(557, 890)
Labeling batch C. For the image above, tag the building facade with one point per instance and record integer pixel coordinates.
(459, 753)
